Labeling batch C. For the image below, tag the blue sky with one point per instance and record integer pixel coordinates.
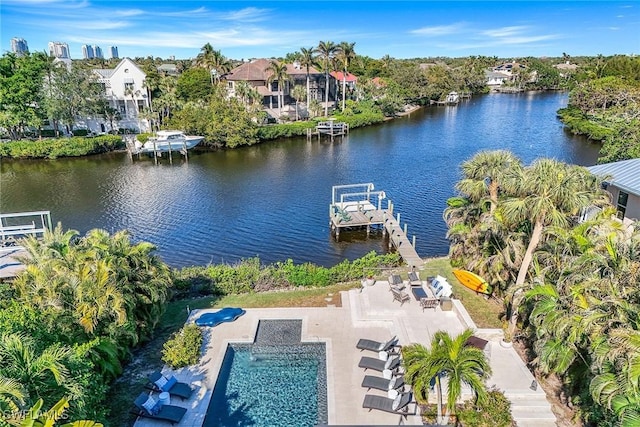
(243, 29)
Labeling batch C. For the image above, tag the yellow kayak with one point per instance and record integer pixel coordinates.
(472, 281)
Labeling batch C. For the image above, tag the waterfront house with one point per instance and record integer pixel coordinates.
(495, 78)
(622, 181)
(256, 74)
(125, 91)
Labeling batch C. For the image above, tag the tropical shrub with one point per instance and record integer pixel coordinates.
(493, 411)
(284, 130)
(60, 147)
(183, 348)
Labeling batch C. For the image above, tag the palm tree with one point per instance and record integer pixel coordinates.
(547, 193)
(278, 73)
(37, 371)
(450, 359)
(485, 173)
(345, 54)
(298, 93)
(307, 59)
(205, 59)
(36, 417)
(326, 51)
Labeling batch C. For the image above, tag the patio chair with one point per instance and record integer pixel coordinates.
(395, 282)
(383, 384)
(170, 413)
(365, 344)
(160, 383)
(399, 405)
(400, 296)
(391, 363)
(429, 303)
(414, 279)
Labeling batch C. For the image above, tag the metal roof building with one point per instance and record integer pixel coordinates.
(623, 184)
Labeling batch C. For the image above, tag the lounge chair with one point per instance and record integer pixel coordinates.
(383, 384)
(400, 296)
(365, 344)
(400, 405)
(173, 387)
(414, 279)
(379, 365)
(395, 283)
(170, 413)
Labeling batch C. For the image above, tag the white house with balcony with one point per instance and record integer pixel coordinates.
(126, 92)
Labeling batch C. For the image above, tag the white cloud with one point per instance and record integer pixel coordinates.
(614, 28)
(129, 12)
(438, 30)
(101, 25)
(505, 31)
(248, 14)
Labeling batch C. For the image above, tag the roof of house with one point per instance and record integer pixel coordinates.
(625, 174)
(255, 70)
(339, 74)
(106, 73)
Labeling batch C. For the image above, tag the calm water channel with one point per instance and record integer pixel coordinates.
(272, 200)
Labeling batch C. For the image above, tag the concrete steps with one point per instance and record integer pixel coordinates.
(531, 409)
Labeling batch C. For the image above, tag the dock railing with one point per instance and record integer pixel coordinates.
(14, 226)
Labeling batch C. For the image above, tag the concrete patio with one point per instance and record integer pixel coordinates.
(368, 313)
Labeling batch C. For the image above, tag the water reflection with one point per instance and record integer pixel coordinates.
(272, 200)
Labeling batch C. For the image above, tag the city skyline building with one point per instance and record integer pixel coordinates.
(59, 50)
(97, 52)
(87, 51)
(113, 51)
(19, 46)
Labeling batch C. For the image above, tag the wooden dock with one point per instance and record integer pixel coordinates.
(330, 128)
(13, 227)
(359, 206)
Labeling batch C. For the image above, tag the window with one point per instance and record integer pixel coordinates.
(122, 107)
(129, 86)
(622, 204)
(274, 87)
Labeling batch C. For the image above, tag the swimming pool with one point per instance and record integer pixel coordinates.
(270, 385)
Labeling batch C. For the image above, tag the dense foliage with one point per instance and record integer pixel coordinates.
(493, 411)
(71, 318)
(183, 348)
(605, 106)
(62, 147)
(570, 287)
(250, 275)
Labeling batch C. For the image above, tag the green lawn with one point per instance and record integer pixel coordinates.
(484, 312)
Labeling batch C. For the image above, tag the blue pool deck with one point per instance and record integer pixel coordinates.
(370, 313)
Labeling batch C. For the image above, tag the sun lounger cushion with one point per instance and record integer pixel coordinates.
(365, 344)
(149, 405)
(381, 403)
(396, 402)
(161, 382)
(170, 413)
(169, 383)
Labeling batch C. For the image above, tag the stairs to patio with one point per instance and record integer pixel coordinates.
(531, 409)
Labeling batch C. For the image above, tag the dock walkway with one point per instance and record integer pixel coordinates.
(355, 206)
(13, 227)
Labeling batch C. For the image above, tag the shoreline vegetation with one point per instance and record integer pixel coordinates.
(193, 101)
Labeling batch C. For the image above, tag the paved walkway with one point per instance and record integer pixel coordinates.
(372, 314)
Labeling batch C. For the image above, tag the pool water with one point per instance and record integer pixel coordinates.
(276, 381)
(267, 385)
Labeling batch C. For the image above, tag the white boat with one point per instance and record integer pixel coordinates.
(453, 98)
(169, 140)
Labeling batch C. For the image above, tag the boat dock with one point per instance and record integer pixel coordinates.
(330, 128)
(13, 227)
(360, 206)
(156, 152)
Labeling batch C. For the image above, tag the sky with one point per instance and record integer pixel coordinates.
(263, 29)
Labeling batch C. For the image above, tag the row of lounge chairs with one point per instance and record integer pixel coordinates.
(146, 406)
(398, 405)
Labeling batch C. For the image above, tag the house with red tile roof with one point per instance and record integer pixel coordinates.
(255, 72)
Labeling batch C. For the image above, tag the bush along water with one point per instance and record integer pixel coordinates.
(62, 147)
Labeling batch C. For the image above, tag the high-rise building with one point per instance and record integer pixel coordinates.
(87, 51)
(19, 46)
(113, 50)
(59, 50)
(97, 52)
